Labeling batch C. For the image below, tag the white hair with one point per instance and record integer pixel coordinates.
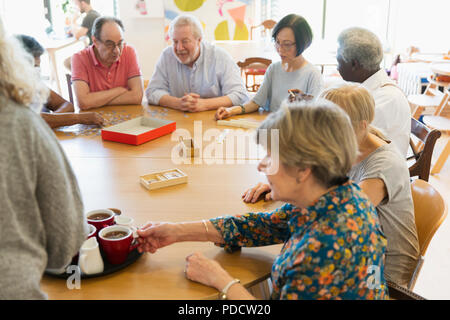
(362, 45)
(187, 20)
(316, 134)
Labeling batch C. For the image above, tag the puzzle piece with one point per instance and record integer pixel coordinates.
(111, 118)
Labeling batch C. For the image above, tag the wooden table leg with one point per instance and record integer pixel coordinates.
(441, 160)
(54, 69)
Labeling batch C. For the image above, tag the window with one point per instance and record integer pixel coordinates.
(106, 7)
(369, 14)
(19, 15)
(63, 10)
(398, 23)
(310, 10)
(423, 24)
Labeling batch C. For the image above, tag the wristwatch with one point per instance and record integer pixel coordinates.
(223, 293)
(242, 108)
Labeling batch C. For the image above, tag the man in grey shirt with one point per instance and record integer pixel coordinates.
(193, 75)
(88, 21)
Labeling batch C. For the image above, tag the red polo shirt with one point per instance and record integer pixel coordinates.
(86, 67)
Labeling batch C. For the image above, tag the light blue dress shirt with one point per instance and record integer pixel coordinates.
(213, 75)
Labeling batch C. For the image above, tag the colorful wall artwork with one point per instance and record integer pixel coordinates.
(222, 19)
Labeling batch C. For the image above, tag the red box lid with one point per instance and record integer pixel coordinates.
(138, 130)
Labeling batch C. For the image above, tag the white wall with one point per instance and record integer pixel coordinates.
(146, 35)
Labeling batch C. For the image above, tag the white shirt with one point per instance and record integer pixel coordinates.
(214, 74)
(392, 111)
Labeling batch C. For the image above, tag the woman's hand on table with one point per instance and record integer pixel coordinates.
(156, 235)
(206, 271)
(224, 113)
(254, 194)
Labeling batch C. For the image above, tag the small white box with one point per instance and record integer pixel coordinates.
(240, 123)
(162, 179)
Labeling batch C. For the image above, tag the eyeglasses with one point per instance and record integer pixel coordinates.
(284, 45)
(111, 45)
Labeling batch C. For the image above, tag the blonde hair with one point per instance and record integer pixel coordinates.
(357, 102)
(18, 79)
(315, 134)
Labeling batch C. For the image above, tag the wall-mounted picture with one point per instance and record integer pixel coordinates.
(141, 8)
(147, 8)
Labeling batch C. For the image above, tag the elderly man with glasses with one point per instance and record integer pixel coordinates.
(193, 75)
(107, 72)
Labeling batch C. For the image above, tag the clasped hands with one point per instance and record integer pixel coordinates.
(192, 102)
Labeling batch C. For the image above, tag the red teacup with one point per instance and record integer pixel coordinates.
(92, 231)
(117, 249)
(100, 222)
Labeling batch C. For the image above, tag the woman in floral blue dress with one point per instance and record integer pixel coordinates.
(333, 245)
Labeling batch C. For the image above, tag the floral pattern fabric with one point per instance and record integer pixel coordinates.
(333, 249)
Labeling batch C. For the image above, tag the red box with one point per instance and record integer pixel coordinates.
(138, 130)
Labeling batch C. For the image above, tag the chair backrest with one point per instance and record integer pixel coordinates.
(443, 109)
(428, 137)
(430, 211)
(433, 90)
(397, 292)
(254, 63)
(253, 66)
(267, 24)
(69, 87)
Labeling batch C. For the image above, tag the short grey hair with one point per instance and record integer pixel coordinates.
(316, 134)
(100, 21)
(362, 45)
(187, 20)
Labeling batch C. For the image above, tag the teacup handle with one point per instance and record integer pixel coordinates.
(105, 225)
(135, 236)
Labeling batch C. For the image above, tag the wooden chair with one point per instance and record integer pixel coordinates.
(267, 24)
(397, 292)
(430, 210)
(69, 86)
(442, 123)
(423, 150)
(253, 67)
(430, 99)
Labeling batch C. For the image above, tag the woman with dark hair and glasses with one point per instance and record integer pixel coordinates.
(292, 35)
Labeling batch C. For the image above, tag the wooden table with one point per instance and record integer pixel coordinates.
(441, 68)
(203, 122)
(108, 175)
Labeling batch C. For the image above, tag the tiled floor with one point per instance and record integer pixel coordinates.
(434, 279)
